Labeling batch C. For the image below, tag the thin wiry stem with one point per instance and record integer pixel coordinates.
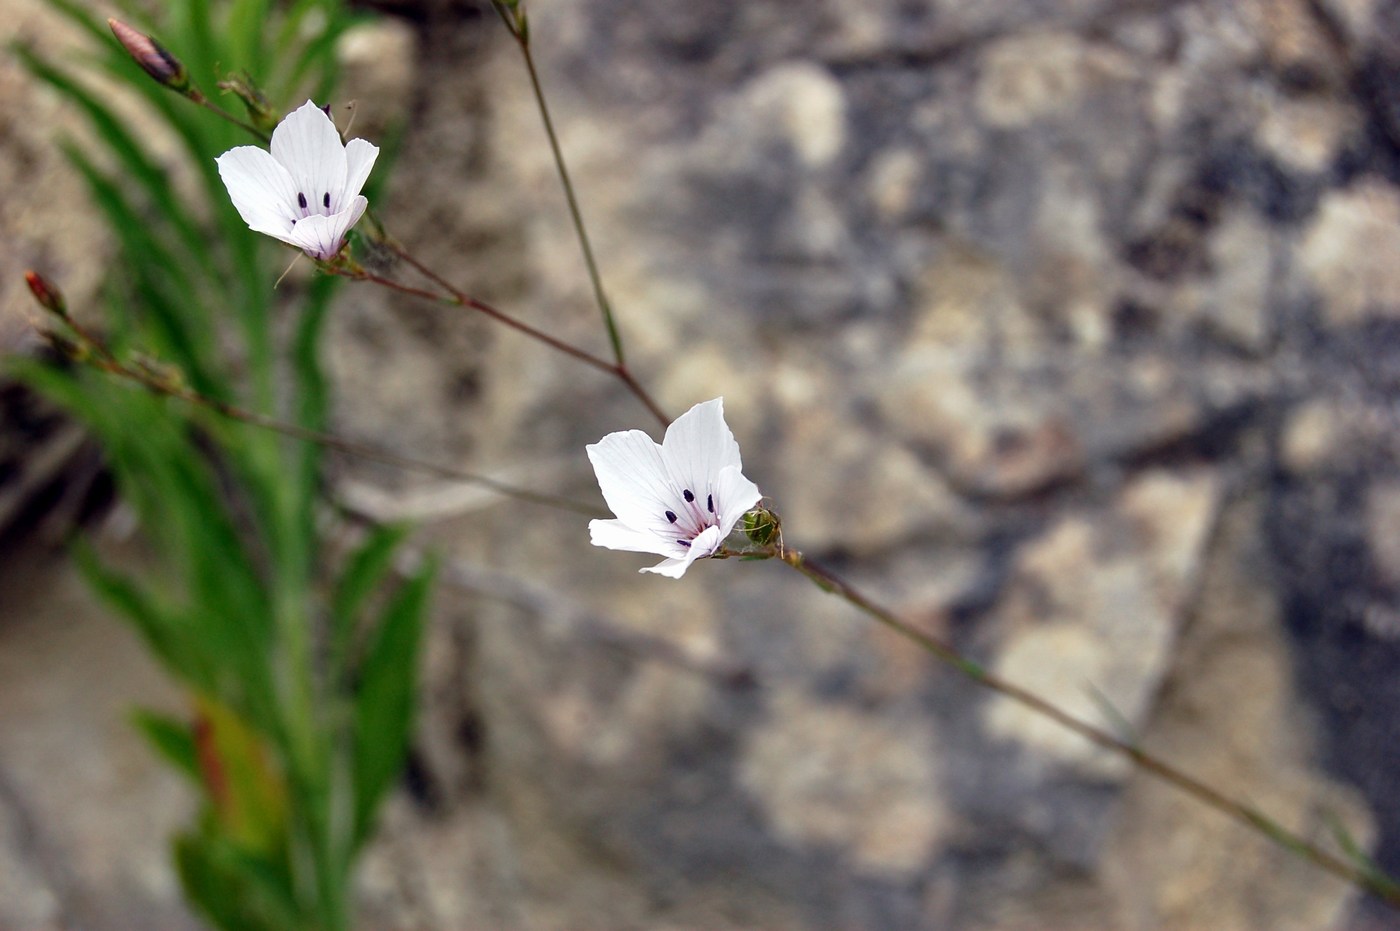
(1369, 879)
(518, 27)
(450, 294)
(102, 358)
(197, 96)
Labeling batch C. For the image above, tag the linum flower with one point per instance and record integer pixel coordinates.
(679, 499)
(306, 191)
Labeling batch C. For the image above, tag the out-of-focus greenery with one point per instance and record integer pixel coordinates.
(301, 678)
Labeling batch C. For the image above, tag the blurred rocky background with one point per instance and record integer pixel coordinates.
(1069, 329)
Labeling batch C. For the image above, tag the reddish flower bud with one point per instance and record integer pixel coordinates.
(46, 293)
(153, 57)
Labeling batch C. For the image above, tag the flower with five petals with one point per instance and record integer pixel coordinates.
(306, 191)
(678, 499)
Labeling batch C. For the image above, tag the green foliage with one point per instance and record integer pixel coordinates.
(304, 685)
(170, 738)
(384, 700)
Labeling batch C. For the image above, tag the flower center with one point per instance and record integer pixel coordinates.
(305, 205)
(693, 519)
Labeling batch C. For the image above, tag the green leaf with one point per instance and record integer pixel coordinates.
(171, 738)
(385, 700)
(363, 573)
(235, 891)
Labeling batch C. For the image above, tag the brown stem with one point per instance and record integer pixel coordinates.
(1381, 886)
(197, 96)
(451, 294)
(462, 299)
(105, 361)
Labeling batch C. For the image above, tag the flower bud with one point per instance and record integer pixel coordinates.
(260, 112)
(761, 525)
(153, 57)
(65, 347)
(46, 293)
(163, 375)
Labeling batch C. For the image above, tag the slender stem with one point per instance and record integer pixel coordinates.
(198, 97)
(1370, 880)
(462, 299)
(521, 35)
(452, 295)
(625, 375)
(104, 360)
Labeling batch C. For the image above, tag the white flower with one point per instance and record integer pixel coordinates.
(679, 499)
(307, 190)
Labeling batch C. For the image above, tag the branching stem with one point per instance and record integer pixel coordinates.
(104, 360)
(450, 294)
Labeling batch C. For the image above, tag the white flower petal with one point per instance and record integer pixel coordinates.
(700, 547)
(359, 159)
(633, 479)
(671, 568)
(698, 445)
(260, 188)
(308, 146)
(321, 237)
(734, 495)
(615, 535)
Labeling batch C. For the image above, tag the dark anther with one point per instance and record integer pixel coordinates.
(671, 516)
(710, 503)
(327, 200)
(301, 199)
(689, 497)
(684, 543)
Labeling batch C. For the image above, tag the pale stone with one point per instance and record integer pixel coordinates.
(806, 102)
(1025, 78)
(898, 496)
(1081, 640)
(1355, 16)
(831, 775)
(893, 182)
(1065, 665)
(965, 301)
(1073, 270)
(1237, 303)
(985, 440)
(1231, 719)
(1383, 529)
(1307, 134)
(379, 59)
(1313, 436)
(1293, 40)
(1351, 252)
(96, 805)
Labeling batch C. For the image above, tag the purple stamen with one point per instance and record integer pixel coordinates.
(671, 516)
(327, 200)
(710, 503)
(689, 496)
(301, 199)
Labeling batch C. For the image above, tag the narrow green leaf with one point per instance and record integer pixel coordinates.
(171, 738)
(363, 573)
(234, 891)
(385, 700)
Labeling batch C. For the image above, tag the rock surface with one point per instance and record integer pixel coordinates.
(1066, 330)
